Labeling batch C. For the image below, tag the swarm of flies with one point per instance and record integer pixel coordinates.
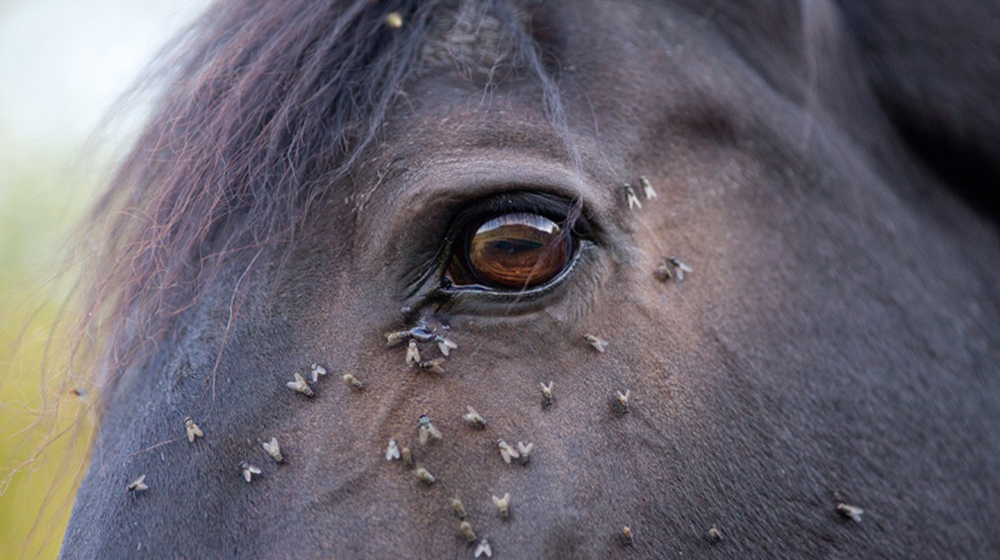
(303, 384)
(632, 199)
(420, 340)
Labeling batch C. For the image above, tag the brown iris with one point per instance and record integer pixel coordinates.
(516, 251)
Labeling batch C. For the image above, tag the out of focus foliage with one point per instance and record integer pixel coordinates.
(44, 428)
(62, 65)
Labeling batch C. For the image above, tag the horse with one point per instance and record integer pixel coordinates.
(600, 279)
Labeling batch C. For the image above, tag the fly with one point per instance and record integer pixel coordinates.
(622, 401)
(137, 485)
(445, 345)
(394, 20)
(412, 353)
(664, 271)
(316, 370)
(248, 471)
(459, 508)
(394, 338)
(682, 268)
(192, 429)
(850, 512)
(433, 366)
(547, 398)
(474, 419)
(274, 450)
(353, 382)
(647, 189)
(392, 453)
(503, 505)
(425, 476)
(466, 528)
(507, 452)
(484, 549)
(525, 451)
(631, 198)
(626, 536)
(300, 386)
(597, 342)
(426, 430)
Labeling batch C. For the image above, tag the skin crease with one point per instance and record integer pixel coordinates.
(837, 340)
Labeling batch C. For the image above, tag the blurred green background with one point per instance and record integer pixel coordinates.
(63, 63)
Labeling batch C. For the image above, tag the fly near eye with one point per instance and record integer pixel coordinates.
(516, 251)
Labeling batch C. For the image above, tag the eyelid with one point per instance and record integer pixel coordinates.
(525, 201)
(512, 201)
(423, 200)
(434, 191)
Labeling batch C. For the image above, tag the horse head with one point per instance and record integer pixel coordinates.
(542, 280)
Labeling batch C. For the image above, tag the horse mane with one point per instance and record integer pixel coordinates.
(267, 107)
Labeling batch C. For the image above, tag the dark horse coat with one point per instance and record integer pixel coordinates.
(318, 174)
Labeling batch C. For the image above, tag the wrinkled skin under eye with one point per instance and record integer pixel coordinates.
(512, 251)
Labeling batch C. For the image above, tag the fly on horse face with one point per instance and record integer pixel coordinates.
(555, 280)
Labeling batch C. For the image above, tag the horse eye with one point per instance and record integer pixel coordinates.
(512, 251)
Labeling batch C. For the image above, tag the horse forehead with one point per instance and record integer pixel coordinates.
(615, 97)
